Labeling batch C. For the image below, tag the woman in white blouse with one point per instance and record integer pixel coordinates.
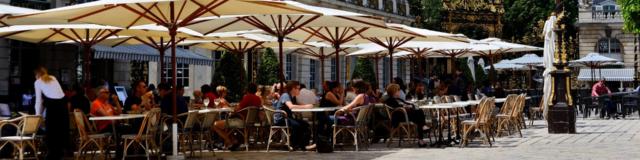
(50, 101)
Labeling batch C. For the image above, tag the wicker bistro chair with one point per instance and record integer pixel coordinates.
(511, 119)
(26, 129)
(243, 126)
(274, 129)
(536, 113)
(505, 113)
(186, 133)
(208, 119)
(359, 130)
(482, 123)
(145, 138)
(407, 127)
(87, 136)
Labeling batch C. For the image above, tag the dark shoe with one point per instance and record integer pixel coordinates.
(234, 147)
(422, 144)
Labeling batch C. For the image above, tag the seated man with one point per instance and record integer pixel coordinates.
(249, 99)
(101, 107)
(166, 104)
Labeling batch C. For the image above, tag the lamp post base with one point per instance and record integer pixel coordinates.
(561, 119)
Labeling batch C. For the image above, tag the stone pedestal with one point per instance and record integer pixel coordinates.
(561, 116)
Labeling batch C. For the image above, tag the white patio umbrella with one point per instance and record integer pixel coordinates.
(472, 67)
(7, 10)
(529, 60)
(548, 59)
(506, 64)
(482, 64)
(492, 47)
(85, 35)
(340, 25)
(594, 60)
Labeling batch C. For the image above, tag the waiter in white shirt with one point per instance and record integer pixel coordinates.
(50, 100)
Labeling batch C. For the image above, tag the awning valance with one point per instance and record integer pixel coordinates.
(609, 74)
(146, 53)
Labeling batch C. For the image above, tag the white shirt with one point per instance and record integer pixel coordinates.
(52, 90)
(306, 97)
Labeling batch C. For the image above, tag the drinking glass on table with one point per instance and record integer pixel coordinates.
(216, 102)
(206, 103)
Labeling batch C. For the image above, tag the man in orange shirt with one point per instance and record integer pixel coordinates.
(101, 107)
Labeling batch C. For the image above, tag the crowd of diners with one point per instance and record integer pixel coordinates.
(103, 101)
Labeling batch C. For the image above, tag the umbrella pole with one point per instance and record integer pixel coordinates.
(529, 79)
(321, 68)
(172, 33)
(336, 46)
(375, 59)
(86, 49)
(390, 63)
(280, 63)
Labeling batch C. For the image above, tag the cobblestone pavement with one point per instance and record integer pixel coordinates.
(596, 139)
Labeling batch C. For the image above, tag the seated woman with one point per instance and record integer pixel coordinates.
(415, 115)
(101, 107)
(221, 101)
(248, 100)
(332, 97)
(361, 99)
(299, 128)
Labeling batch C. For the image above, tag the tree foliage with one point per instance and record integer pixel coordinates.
(365, 70)
(231, 73)
(630, 15)
(428, 13)
(268, 69)
(524, 20)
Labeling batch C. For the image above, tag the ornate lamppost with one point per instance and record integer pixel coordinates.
(561, 116)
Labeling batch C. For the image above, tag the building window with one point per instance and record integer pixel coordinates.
(333, 69)
(289, 65)
(373, 4)
(312, 73)
(139, 71)
(388, 6)
(609, 46)
(402, 7)
(182, 76)
(401, 67)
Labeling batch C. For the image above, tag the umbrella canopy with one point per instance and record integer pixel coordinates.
(7, 10)
(472, 67)
(506, 64)
(594, 60)
(511, 47)
(321, 17)
(128, 13)
(283, 26)
(86, 35)
(528, 59)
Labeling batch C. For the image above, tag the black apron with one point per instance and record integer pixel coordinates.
(56, 127)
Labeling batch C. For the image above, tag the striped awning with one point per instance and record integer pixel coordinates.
(146, 53)
(609, 74)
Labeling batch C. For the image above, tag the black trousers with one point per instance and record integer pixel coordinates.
(299, 132)
(57, 128)
(415, 116)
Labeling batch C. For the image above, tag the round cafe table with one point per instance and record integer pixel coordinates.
(446, 106)
(313, 116)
